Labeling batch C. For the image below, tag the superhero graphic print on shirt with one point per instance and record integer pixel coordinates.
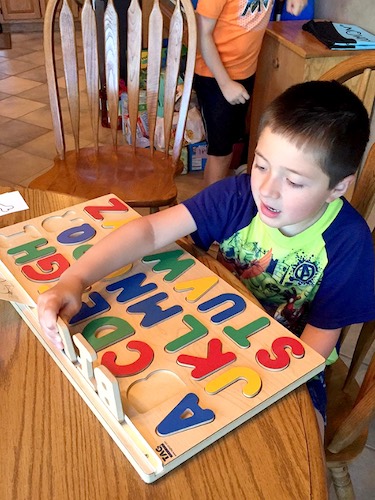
(285, 281)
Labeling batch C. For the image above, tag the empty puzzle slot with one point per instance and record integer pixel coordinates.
(153, 390)
(57, 223)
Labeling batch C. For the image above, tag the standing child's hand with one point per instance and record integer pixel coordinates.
(234, 92)
(295, 7)
(63, 300)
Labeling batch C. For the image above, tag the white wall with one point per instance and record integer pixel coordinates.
(359, 12)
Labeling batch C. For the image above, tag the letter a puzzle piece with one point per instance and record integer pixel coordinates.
(186, 415)
(198, 287)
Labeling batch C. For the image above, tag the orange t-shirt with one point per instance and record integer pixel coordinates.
(238, 34)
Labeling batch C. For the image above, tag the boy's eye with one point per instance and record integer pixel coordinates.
(294, 184)
(259, 167)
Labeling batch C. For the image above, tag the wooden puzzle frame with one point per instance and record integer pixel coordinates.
(166, 354)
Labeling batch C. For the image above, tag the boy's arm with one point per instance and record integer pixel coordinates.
(234, 92)
(295, 7)
(130, 242)
(322, 341)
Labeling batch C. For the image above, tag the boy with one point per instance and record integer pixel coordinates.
(286, 232)
(230, 34)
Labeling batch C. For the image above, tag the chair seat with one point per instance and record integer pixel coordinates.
(129, 175)
(340, 404)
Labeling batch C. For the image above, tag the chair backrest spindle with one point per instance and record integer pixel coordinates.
(133, 64)
(91, 58)
(155, 41)
(48, 43)
(172, 70)
(112, 72)
(69, 50)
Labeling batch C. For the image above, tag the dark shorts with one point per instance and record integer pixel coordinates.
(225, 123)
(317, 390)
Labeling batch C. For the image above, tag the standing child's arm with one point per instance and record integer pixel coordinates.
(234, 92)
(130, 242)
(322, 341)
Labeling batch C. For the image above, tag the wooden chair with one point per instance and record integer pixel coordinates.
(357, 73)
(350, 408)
(349, 415)
(142, 177)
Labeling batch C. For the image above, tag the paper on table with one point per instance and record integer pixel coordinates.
(12, 202)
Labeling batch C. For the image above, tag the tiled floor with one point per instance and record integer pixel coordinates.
(27, 149)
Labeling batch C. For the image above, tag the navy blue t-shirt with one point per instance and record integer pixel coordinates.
(323, 276)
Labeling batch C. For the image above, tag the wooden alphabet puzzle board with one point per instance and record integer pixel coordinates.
(167, 355)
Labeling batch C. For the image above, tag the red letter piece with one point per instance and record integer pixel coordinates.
(282, 357)
(215, 360)
(143, 362)
(117, 206)
(47, 265)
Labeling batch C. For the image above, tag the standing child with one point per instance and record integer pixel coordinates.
(230, 34)
(286, 231)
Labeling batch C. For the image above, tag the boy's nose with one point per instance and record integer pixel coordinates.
(270, 187)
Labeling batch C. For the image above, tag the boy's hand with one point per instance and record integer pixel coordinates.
(234, 92)
(63, 300)
(295, 7)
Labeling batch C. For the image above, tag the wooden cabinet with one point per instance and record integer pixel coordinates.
(289, 55)
(16, 12)
(21, 9)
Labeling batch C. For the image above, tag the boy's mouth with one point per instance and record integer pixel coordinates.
(273, 209)
(269, 211)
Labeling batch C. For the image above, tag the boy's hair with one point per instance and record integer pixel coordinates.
(325, 119)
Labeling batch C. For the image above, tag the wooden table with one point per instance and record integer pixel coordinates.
(53, 447)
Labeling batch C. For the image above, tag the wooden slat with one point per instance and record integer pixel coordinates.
(68, 45)
(363, 85)
(155, 40)
(112, 73)
(188, 80)
(171, 74)
(51, 78)
(363, 198)
(360, 416)
(90, 52)
(133, 64)
(364, 342)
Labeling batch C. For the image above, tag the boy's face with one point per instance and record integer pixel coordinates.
(290, 190)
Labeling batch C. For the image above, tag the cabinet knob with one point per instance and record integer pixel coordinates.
(275, 62)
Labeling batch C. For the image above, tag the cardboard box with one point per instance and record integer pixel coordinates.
(197, 156)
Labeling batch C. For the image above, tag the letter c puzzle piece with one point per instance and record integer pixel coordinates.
(282, 359)
(186, 415)
(145, 359)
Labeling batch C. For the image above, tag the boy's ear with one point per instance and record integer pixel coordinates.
(341, 188)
